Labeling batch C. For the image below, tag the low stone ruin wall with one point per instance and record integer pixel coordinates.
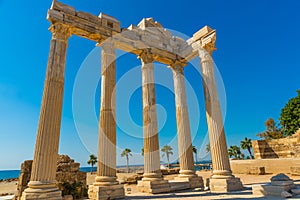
(288, 147)
(67, 176)
(273, 166)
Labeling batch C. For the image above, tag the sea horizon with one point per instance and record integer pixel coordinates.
(14, 173)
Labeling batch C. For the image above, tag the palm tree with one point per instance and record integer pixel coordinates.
(167, 151)
(247, 144)
(142, 151)
(126, 153)
(92, 161)
(195, 152)
(207, 148)
(234, 151)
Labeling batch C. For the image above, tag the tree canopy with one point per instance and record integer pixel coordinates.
(273, 131)
(290, 116)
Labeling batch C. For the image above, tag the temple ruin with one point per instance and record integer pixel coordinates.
(150, 42)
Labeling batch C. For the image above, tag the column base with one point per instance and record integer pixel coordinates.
(41, 190)
(153, 186)
(194, 180)
(219, 185)
(96, 192)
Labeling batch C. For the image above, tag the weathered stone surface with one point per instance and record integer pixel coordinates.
(288, 147)
(256, 170)
(186, 159)
(286, 194)
(151, 145)
(106, 192)
(64, 173)
(295, 170)
(225, 185)
(280, 185)
(280, 177)
(296, 191)
(153, 187)
(176, 185)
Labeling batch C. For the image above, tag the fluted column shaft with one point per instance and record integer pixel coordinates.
(106, 173)
(150, 127)
(183, 124)
(43, 174)
(218, 146)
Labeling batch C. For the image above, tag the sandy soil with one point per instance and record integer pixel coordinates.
(132, 192)
(8, 187)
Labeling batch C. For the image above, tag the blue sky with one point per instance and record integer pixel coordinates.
(257, 57)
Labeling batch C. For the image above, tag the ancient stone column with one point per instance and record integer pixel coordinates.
(106, 184)
(185, 151)
(150, 127)
(42, 182)
(152, 174)
(222, 179)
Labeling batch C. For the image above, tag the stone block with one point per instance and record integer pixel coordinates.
(282, 183)
(256, 170)
(176, 185)
(52, 195)
(106, 192)
(194, 181)
(153, 187)
(225, 185)
(286, 194)
(296, 191)
(75, 167)
(62, 7)
(268, 189)
(295, 170)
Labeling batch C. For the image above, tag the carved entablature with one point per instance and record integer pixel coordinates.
(110, 22)
(148, 34)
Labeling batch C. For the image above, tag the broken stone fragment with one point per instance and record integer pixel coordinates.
(286, 194)
(280, 177)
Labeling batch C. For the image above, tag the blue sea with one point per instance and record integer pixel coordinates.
(6, 174)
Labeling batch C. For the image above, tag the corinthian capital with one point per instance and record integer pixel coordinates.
(208, 42)
(60, 31)
(178, 66)
(146, 56)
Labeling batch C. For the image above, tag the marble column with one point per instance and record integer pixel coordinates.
(222, 179)
(43, 175)
(152, 181)
(150, 127)
(185, 151)
(106, 184)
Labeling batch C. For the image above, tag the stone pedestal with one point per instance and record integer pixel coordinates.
(225, 185)
(39, 190)
(42, 182)
(194, 181)
(153, 187)
(106, 192)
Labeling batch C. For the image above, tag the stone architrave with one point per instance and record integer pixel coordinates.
(106, 185)
(42, 182)
(222, 179)
(186, 159)
(152, 181)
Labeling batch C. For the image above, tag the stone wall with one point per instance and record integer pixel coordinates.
(272, 166)
(67, 173)
(288, 147)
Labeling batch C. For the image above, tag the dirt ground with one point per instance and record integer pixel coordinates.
(132, 192)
